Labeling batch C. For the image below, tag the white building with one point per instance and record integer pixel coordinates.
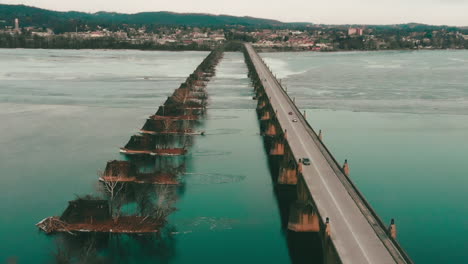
(17, 28)
(355, 31)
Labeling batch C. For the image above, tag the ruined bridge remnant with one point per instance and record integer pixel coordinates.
(126, 171)
(169, 126)
(174, 118)
(327, 200)
(167, 133)
(150, 145)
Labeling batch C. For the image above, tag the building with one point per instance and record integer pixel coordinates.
(17, 28)
(41, 34)
(355, 31)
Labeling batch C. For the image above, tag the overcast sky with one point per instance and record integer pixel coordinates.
(438, 12)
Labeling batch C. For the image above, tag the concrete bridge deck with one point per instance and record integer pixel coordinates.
(355, 230)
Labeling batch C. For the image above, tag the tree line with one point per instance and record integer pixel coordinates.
(63, 42)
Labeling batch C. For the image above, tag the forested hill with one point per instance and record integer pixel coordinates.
(67, 21)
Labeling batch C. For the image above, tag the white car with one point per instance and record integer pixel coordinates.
(294, 120)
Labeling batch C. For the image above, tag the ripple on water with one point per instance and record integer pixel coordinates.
(221, 117)
(204, 223)
(213, 178)
(210, 152)
(224, 131)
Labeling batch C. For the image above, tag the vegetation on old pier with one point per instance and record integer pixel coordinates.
(132, 199)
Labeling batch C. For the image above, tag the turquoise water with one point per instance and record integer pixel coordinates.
(60, 125)
(400, 118)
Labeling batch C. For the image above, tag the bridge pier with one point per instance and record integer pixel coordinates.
(271, 129)
(261, 103)
(288, 168)
(259, 91)
(277, 146)
(266, 115)
(287, 175)
(303, 216)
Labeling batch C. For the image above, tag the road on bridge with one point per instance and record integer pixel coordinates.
(354, 237)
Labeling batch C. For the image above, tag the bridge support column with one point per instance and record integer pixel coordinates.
(259, 91)
(266, 115)
(271, 129)
(287, 176)
(277, 148)
(303, 216)
(261, 102)
(288, 169)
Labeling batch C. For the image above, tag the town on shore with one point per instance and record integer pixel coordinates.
(308, 37)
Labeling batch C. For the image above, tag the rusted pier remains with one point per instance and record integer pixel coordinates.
(327, 201)
(126, 171)
(166, 134)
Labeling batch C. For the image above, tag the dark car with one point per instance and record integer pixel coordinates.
(306, 161)
(290, 113)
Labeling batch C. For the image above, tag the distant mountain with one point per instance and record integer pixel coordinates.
(64, 21)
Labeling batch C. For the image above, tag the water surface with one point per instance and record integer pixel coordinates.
(66, 113)
(401, 120)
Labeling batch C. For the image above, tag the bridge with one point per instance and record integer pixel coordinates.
(327, 200)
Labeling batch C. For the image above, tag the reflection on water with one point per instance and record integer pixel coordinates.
(213, 178)
(63, 124)
(304, 247)
(113, 248)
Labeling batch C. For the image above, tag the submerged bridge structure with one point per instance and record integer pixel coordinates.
(327, 200)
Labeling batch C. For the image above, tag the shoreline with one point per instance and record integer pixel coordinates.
(269, 50)
(259, 50)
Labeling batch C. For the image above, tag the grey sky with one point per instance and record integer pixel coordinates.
(438, 12)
